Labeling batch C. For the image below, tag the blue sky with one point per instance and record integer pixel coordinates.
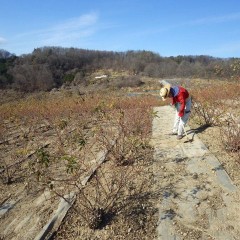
(166, 27)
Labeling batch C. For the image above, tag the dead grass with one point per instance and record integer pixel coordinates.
(51, 142)
(45, 139)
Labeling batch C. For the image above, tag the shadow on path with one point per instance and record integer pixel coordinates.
(199, 129)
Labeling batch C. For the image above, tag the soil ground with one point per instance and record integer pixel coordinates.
(136, 216)
(211, 137)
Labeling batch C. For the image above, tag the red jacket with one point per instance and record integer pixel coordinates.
(181, 98)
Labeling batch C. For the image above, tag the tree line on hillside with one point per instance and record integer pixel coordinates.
(49, 67)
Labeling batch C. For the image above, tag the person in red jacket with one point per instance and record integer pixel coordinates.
(182, 101)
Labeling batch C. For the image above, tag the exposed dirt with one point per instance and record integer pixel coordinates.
(230, 161)
(135, 215)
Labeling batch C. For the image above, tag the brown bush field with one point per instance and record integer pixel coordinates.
(51, 140)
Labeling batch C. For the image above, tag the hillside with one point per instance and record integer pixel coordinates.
(51, 67)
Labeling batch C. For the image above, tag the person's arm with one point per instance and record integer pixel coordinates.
(182, 105)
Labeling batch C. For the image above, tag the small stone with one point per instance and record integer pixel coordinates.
(195, 176)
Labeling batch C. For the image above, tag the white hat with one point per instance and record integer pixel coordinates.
(164, 91)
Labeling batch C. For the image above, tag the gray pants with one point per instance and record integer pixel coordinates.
(180, 122)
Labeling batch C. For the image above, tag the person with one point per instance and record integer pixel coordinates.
(181, 99)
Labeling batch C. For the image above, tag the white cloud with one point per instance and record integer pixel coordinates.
(215, 19)
(205, 21)
(67, 32)
(196, 22)
(70, 30)
(2, 40)
(73, 32)
(76, 23)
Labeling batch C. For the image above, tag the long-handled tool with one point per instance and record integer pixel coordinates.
(188, 140)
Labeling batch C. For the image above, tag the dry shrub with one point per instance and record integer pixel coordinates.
(36, 115)
(34, 109)
(96, 200)
(131, 128)
(104, 195)
(230, 136)
(80, 127)
(11, 171)
(121, 132)
(218, 105)
(209, 106)
(206, 112)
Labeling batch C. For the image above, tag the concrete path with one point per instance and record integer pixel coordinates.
(198, 199)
